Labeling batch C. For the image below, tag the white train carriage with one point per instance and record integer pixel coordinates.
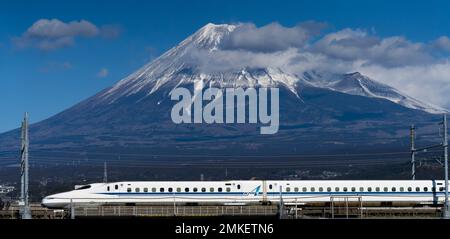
(252, 192)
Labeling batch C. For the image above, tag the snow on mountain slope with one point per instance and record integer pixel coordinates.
(176, 67)
(358, 84)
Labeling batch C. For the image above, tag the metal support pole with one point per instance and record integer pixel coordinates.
(72, 210)
(281, 203)
(346, 207)
(361, 207)
(445, 145)
(24, 200)
(296, 208)
(174, 205)
(332, 206)
(413, 162)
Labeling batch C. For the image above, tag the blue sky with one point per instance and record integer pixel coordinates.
(45, 82)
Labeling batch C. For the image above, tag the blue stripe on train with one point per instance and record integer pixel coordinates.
(275, 193)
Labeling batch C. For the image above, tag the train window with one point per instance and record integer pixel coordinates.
(345, 189)
(296, 189)
(288, 189)
(170, 190)
(116, 187)
(417, 189)
(219, 189)
(377, 189)
(270, 186)
(321, 189)
(304, 189)
(328, 189)
(361, 189)
(369, 189)
(195, 189)
(385, 189)
(336, 189)
(137, 190)
(203, 189)
(107, 188)
(178, 189)
(402, 189)
(186, 189)
(425, 189)
(129, 190)
(441, 189)
(353, 189)
(228, 189)
(394, 189)
(313, 189)
(409, 189)
(238, 186)
(161, 190)
(145, 190)
(211, 189)
(154, 190)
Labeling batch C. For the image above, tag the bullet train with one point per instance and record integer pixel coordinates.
(243, 192)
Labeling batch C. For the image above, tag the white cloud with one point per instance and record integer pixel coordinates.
(104, 72)
(50, 34)
(270, 38)
(353, 45)
(419, 69)
(55, 28)
(443, 43)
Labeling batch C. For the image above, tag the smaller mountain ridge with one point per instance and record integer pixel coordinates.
(357, 84)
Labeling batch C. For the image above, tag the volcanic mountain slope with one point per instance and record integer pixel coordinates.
(318, 110)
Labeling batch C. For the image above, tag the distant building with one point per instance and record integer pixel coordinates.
(6, 189)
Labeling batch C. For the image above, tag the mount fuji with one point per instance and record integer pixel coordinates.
(318, 111)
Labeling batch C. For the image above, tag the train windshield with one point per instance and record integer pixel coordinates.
(83, 187)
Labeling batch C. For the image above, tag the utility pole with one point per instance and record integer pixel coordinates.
(281, 204)
(24, 202)
(105, 173)
(445, 145)
(413, 152)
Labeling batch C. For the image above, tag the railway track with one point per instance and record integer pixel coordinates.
(164, 211)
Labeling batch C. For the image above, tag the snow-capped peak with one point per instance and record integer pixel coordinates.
(209, 36)
(164, 68)
(177, 67)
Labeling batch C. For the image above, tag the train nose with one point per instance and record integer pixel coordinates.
(50, 202)
(45, 202)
